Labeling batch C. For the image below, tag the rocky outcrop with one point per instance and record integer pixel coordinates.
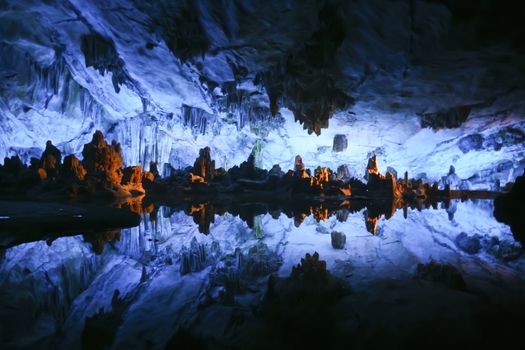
(450, 118)
(340, 143)
(469, 143)
(73, 168)
(470, 245)
(509, 209)
(132, 177)
(444, 274)
(338, 239)
(102, 160)
(99, 174)
(343, 173)
(204, 166)
(51, 159)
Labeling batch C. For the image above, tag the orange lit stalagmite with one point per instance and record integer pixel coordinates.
(203, 215)
(203, 170)
(371, 224)
(102, 160)
(372, 168)
(50, 160)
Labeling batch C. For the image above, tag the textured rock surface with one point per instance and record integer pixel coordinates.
(340, 143)
(102, 160)
(338, 240)
(66, 283)
(213, 75)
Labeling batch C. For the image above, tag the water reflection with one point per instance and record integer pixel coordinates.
(110, 282)
(204, 211)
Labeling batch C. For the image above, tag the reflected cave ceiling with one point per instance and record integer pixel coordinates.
(70, 67)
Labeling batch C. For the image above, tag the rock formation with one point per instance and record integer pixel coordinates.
(510, 208)
(204, 166)
(340, 143)
(338, 239)
(73, 168)
(103, 161)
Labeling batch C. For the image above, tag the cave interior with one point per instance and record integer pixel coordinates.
(252, 174)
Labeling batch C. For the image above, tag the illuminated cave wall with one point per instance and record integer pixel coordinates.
(165, 79)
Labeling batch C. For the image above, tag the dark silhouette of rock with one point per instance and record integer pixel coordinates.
(472, 142)
(100, 329)
(276, 171)
(13, 165)
(73, 168)
(148, 177)
(509, 208)
(154, 169)
(132, 175)
(99, 239)
(298, 166)
(338, 240)
(445, 274)
(302, 304)
(204, 166)
(51, 157)
(470, 245)
(451, 118)
(340, 143)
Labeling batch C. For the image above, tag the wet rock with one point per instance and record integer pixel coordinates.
(470, 245)
(445, 274)
(340, 143)
(338, 239)
(73, 168)
(469, 143)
